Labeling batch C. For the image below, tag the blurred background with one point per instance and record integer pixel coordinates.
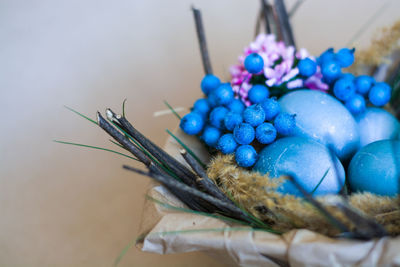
(67, 206)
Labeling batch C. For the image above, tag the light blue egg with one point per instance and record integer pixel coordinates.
(306, 160)
(377, 124)
(376, 168)
(323, 118)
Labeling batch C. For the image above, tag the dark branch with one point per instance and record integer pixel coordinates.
(202, 41)
(206, 183)
(178, 168)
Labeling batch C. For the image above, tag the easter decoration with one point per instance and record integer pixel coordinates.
(293, 141)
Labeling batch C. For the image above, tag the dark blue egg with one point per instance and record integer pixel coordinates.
(376, 168)
(377, 124)
(307, 161)
(323, 118)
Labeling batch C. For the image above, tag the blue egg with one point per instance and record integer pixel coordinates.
(376, 168)
(377, 124)
(323, 118)
(307, 161)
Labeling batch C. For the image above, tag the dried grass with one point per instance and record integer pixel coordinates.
(257, 194)
(384, 43)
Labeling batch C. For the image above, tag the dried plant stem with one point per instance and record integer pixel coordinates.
(319, 207)
(366, 228)
(179, 169)
(191, 202)
(295, 7)
(205, 182)
(123, 140)
(283, 19)
(202, 41)
(233, 210)
(265, 11)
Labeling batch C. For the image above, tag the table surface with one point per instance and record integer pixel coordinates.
(68, 206)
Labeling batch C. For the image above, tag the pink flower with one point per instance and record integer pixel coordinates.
(278, 70)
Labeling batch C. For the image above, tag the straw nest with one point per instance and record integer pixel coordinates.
(257, 194)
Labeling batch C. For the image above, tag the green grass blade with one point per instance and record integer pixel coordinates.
(123, 252)
(256, 220)
(123, 108)
(320, 181)
(80, 114)
(95, 147)
(216, 216)
(368, 23)
(117, 144)
(172, 110)
(186, 148)
(203, 230)
(188, 231)
(163, 165)
(168, 206)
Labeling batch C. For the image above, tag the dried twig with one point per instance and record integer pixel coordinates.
(128, 145)
(284, 22)
(295, 7)
(266, 14)
(206, 183)
(179, 169)
(319, 207)
(202, 41)
(365, 227)
(234, 211)
(123, 140)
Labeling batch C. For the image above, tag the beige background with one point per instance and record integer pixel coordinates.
(66, 206)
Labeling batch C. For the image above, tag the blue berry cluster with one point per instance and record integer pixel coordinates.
(224, 123)
(331, 63)
(354, 92)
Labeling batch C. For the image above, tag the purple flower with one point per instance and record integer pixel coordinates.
(278, 70)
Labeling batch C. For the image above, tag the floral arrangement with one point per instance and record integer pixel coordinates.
(287, 130)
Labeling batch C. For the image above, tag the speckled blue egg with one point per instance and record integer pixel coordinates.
(376, 168)
(323, 118)
(307, 161)
(377, 124)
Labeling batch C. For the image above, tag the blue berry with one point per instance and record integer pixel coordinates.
(254, 115)
(326, 56)
(244, 133)
(246, 156)
(271, 108)
(266, 133)
(227, 144)
(380, 93)
(211, 136)
(356, 104)
(330, 70)
(258, 93)
(285, 123)
(217, 117)
(209, 83)
(364, 84)
(212, 100)
(307, 67)
(192, 123)
(345, 57)
(224, 94)
(232, 120)
(236, 106)
(344, 89)
(201, 106)
(254, 63)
